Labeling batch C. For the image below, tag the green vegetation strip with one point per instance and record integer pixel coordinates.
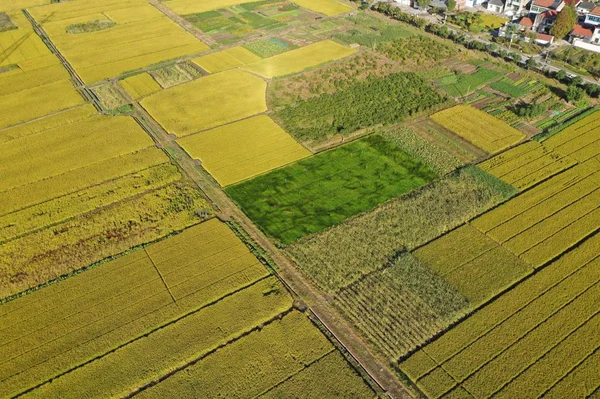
(326, 189)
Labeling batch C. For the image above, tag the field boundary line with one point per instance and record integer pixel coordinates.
(140, 336)
(203, 355)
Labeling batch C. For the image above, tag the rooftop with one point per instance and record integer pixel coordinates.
(595, 11)
(581, 31)
(543, 3)
(526, 21)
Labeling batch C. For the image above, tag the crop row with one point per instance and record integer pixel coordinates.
(28, 159)
(140, 85)
(92, 321)
(49, 253)
(190, 337)
(521, 318)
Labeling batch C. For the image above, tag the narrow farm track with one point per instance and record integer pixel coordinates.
(182, 22)
(287, 272)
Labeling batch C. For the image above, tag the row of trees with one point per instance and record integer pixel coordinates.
(464, 40)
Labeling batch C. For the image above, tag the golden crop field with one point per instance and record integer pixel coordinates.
(38, 85)
(243, 149)
(300, 59)
(141, 36)
(186, 296)
(472, 263)
(27, 160)
(19, 4)
(50, 122)
(483, 130)
(496, 350)
(184, 7)
(527, 164)
(139, 86)
(226, 59)
(580, 141)
(327, 7)
(548, 219)
(207, 102)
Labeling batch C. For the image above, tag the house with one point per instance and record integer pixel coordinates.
(543, 39)
(407, 3)
(495, 6)
(581, 33)
(525, 24)
(593, 17)
(540, 6)
(544, 21)
(584, 7)
(515, 7)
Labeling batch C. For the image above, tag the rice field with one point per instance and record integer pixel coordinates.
(207, 102)
(244, 149)
(300, 59)
(327, 7)
(184, 304)
(141, 36)
(226, 59)
(527, 165)
(524, 344)
(139, 86)
(479, 128)
(579, 141)
(184, 7)
(317, 192)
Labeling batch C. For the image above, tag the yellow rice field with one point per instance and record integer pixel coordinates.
(226, 59)
(483, 130)
(300, 59)
(243, 149)
(207, 102)
(139, 86)
(580, 141)
(184, 7)
(527, 164)
(327, 7)
(142, 36)
(28, 159)
(19, 4)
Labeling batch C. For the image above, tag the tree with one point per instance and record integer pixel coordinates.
(531, 64)
(451, 5)
(423, 3)
(565, 22)
(561, 75)
(577, 81)
(574, 94)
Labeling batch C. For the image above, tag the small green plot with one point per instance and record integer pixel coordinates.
(326, 189)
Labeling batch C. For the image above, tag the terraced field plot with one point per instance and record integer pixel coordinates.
(528, 342)
(326, 189)
(171, 304)
(244, 149)
(141, 36)
(300, 59)
(225, 59)
(37, 84)
(485, 131)
(62, 211)
(207, 102)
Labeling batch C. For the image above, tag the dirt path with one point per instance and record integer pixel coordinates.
(288, 273)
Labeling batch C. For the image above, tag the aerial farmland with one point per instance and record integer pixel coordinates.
(289, 199)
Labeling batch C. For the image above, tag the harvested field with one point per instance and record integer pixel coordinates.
(300, 59)
(242, 150)
(173, 75)
(344, 253)
(485, 131)
(321, 191)
(207, 102)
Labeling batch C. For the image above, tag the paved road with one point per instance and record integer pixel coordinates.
(544, 65)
